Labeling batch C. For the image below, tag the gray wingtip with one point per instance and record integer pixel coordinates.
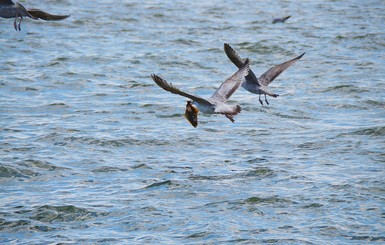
(153, 76)
(299, 57)
(157, 79)
(227, 48)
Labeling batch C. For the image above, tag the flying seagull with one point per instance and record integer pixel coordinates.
(216, 104)
(283, 19)
(259, 85)
(9, 9)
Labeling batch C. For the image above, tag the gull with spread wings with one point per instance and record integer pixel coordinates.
(216, 104)
(259, 85)
(9, 9)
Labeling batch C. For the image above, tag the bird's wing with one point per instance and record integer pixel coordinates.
(271, 74)
(6, 2)
(231, 84)
(236, 59)
(226, 109)
(37, 13)
(233, 55)
(286, 17)
(170, 88)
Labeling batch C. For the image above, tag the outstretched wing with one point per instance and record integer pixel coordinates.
(6, 2)
(236, 59)
(271, 74)
(39, 14)
(170, 88)
(231, 84)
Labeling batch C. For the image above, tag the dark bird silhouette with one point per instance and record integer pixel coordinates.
(281, 20)
(9, 9)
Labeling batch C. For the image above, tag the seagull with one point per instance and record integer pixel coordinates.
(216, 103)
(282, 20)
(259, 85)
(9, 9)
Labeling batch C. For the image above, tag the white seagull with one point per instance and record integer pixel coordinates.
(9, 9)
(216, 103)
(259, 85)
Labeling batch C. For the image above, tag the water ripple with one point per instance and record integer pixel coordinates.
(93, 151)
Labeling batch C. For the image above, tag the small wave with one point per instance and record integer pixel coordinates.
(58, 104)
(41, 165)
(135, 84)
(7, 172)
(141, 166)
(284, 241)
(287, 116)
(234, 205)
(313, 205)
(374, 131)
(13, 225)
(107, 169)
(368, 238)
(269, 200)
(11, 130)
(147, 105)
(66, 213)
(185, 41)
(260, 48)
(261, 172)
(346, 89)
(31, 89)
(42, 228)
(176, 115)
(380, 104)
(159, 184)
(216, 177)
(257, 160)
(199, 235)
(115, 142)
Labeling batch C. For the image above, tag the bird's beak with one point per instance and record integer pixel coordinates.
(191, 114)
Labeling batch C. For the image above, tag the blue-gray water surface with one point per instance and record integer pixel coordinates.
(93, 151)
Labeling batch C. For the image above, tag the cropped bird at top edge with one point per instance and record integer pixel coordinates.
(9, 9)
(216, 104)
(259, 85)
(281, 20)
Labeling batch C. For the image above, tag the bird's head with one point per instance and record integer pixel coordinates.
(191, 113)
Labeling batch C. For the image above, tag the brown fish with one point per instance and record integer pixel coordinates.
(191, 113)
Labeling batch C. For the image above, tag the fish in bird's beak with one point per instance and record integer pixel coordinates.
(191, 114)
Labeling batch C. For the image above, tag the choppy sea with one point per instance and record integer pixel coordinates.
(93, 151)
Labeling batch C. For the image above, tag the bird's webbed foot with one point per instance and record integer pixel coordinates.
(21, 18)
(15, 23)
(230, 117)
(259, 98)
(267, 102)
